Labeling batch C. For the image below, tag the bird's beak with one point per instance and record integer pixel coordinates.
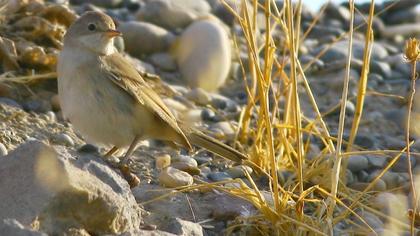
(112, 33)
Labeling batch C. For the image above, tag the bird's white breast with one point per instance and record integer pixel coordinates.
(101, 113)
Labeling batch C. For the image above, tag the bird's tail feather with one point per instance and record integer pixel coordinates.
(213, 145)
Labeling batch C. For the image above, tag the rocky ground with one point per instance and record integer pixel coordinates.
(53, 183)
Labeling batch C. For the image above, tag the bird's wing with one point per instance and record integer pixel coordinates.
(122, 73)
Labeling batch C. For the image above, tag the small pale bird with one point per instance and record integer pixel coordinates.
(107, 100)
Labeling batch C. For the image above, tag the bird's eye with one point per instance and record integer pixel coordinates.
(91, 27)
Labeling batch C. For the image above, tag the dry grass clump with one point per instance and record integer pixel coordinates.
(315, 198)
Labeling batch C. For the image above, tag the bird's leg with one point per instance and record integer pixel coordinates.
(131, 149)
(110, 152)
(132, 179)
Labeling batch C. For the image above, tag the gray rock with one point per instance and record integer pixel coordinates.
(238, 171)
(88, 148)
(411, 15)
(65, 189)
(339, 51)
(371, 219)
(99, 3)
(226, 129)
(379, 186)
(362, 176)
(63, 139)
(381, 68)
(390, 178)
(172, 178)
(119, 44)
(398, 116)
(223, 103)
(12, 227)
(40, 106)
(405, 30)
(357, 163)
(377, 161)
(219, 176)
(178, 226)
(199, 96)
(320, 31)
(10, 102)
(192, 116)
(148, 233)
(173, 14)
(402, 163)
(349, 177)
(3, 150)
(144, 38)
(164, 61)
(209, 115)
(338, 12)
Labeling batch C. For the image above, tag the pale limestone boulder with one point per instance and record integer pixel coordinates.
(65, 190)
(203, 54)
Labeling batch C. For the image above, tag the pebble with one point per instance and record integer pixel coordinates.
(334, 11)
(226, 129)
(164, 61)
(180, 158)
(88, 148)
(238, 171)
(402, 164)
(371, 219)
(203, 159)
(377, 161)
(362, 176)
(10, 102)
(189, 167)
(199, 96)
(172, 178)
(357, 163)
(3, 150)
(390, 178)
(405, 30)
(193, 116)
(339, 51)
(144, 38)
(39, 106)
(51, 117)
(381, 68)
(99, 3)
(63, 139)
(209, 115)
(219, 176)
(172, 14)
(379, 186)
(349, 177)
(163, 161)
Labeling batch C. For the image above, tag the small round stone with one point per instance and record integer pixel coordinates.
(172, 178)
(163, 161)
(218, 176)
(357, 163)
(88, 148)
(51, 116)
(199, 96)
(3, 150)
(188, 167)
(63, 139)
(239, 171)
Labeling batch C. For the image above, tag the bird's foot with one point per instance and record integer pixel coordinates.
(131, 178)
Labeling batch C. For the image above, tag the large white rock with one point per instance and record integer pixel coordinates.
(203, 54)
(65, 190)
